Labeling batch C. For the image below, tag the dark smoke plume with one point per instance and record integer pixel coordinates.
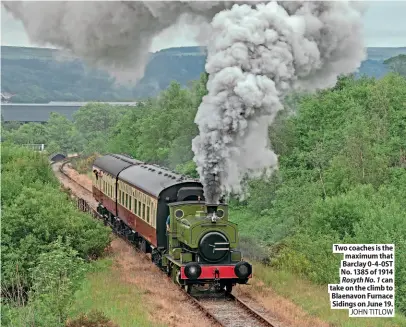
(257, 55)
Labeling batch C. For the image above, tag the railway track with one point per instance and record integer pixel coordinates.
(224, 310)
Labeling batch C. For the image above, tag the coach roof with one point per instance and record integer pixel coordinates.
(152, 179)
(114, 163)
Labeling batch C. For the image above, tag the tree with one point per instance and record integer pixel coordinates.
(62, 135)
(397, 64)
(56, 277)
(162, 123)
(124, 135)
(31, 133)
(97, 117)
(95, 123)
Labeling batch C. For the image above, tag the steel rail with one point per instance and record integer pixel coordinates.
(251, 310)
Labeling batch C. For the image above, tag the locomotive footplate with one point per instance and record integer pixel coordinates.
(215, 273)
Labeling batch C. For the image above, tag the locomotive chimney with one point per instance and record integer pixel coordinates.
(212, 208)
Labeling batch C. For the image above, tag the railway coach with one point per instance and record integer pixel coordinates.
(200, 245)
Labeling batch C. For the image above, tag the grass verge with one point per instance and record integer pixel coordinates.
(313, 299)
(104, 290)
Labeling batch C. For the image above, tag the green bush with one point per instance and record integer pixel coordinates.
(44, 241)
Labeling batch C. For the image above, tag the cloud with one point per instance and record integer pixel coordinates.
(12, 31)
(378, 30)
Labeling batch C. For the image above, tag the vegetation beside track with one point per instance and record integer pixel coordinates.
(312, 298)
(46, 242)
(104, 290)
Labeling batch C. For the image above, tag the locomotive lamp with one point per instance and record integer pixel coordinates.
(212, 212)
(243, 269)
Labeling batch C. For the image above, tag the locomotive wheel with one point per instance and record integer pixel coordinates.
(226, 287)
(143, 246)
(175, 275)
(156, 258)
(229, 288)
(188, 288)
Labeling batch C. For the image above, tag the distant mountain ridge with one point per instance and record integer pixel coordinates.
(43, 74)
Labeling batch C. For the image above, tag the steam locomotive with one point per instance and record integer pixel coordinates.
(199, 244)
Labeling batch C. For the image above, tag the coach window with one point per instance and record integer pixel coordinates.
(153, 215)
(130, 202)
(135, 206)
(143, 211)
(139, 209)
(148, 213)
(126, 200)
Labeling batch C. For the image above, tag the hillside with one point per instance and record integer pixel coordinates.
(42, 75)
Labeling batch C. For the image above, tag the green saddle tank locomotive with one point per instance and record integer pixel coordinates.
(199, 245)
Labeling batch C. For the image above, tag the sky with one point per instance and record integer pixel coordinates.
(384, 26)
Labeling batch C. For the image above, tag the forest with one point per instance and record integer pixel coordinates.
(341, 176)
(40, 75)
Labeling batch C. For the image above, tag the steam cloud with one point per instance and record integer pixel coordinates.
(114, 35)
(257, 54)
